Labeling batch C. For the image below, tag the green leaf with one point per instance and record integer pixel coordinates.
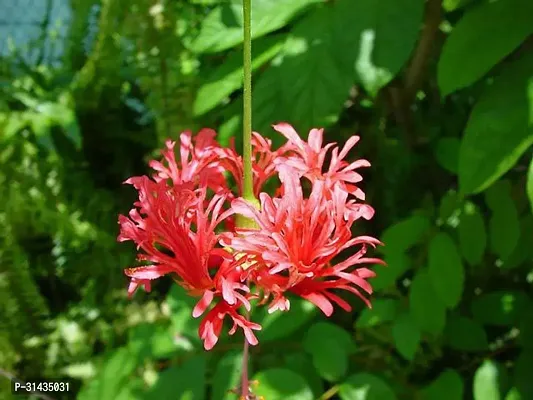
(472, 234)
(449, 205)
(397, 264)
(498, 195)
(499, 129)
(530, 184)
(231, 126)
(41, 126)
(381, 51)
(133, 389)
(447, 153)
(522, 250)
(513, 394)
(522, 374)
(487, 384)
(269, 105)
(476, 44)
(282, 324)
(309, 82)
(446, 270)
(228, 76)
(115, 372)
(222, 28)
(282, 384)
(63, 116)
(448, 385)
(451, 5)
(500, 307)
(403, 235)
(427, 310)
(365, 386)
(330, 347)
(302, 364)
(406, 336)
(181, 305)
(153, 340)
(383, 310)
(186, 382)
(227, 376)
(112, 377)
(465, 334)
(504, 225)
(525, 327)
(12, 123)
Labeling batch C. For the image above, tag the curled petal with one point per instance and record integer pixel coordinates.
(135, 283)
(149, 272)
(211, 326)
(320, 301)
(203, 304)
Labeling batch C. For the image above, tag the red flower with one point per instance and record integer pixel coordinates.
(263, 165)
(176, 222)
(297, 240)
(309, 158)
(162, 227)
(198, 162)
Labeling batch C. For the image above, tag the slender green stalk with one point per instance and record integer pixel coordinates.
(247, 187)
(248, 192)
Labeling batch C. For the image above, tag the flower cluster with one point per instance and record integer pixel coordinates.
(184, 226)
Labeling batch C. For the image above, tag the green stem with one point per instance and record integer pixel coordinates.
(248, 184)
(247, 189)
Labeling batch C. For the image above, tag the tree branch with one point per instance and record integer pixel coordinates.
(415, 74)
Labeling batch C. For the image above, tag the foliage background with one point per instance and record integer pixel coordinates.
(442, 96)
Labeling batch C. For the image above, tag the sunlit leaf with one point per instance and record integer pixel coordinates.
(310, 81)
(222, 28)
(112, 377)
(228, 77)
(381, 51)
(363, 386)
(500, 128)
(487, 382)
(280, 383)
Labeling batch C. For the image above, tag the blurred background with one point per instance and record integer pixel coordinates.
(441, 93)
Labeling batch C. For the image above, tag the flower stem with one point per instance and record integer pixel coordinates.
(248, 185)
(245, 382)
(248, 191)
